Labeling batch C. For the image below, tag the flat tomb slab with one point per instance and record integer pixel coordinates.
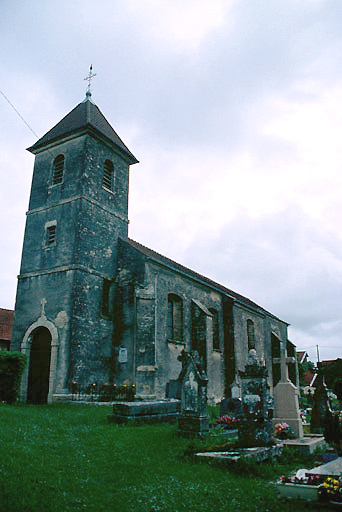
(306, 444)
(332, 468)
(259, 453)
(145, 411)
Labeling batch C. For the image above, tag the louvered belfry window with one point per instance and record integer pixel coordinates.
(58, 169)
(108, 175)
(51, 235)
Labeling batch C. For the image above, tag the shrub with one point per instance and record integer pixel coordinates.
(12, 365)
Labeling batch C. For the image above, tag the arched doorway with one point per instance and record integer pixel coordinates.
(39, 368)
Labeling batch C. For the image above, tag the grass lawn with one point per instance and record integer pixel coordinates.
(69, 458)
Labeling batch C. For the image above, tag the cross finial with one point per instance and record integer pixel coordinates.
(89, 78)
(43, 302)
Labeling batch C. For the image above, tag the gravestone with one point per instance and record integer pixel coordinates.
(255, 425)
(286, 394)
(231, 407)
(173, 389)
(320, 403)
(193, 418)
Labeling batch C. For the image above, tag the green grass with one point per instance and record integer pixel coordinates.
(69, 458)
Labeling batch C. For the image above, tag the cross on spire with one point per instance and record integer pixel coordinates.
(89, 78)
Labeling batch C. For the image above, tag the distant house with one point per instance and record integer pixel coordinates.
(6, 320)
(309, 376)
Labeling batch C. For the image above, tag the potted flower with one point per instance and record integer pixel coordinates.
(331, 490)
(300, 486)
(283, 431)
(228, 422)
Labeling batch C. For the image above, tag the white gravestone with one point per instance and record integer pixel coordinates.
(286, 404)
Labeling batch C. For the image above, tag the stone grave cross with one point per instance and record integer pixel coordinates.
(284, 361)
(286, 403)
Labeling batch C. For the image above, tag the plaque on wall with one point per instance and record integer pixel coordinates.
(122, 355)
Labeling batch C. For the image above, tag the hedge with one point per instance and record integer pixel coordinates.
(12, 365)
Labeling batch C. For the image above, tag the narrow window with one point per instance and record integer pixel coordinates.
(216, 331)
(50, 235)
(250, 334)
(58, 169)
(175, 317)
(108, 173)
(107, 298)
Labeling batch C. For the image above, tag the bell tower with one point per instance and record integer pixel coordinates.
(78, 209)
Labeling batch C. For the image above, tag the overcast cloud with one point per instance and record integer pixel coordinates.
(232, 107)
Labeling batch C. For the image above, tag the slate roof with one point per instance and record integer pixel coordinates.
(163, 260)
(6, 320)
(85, 115)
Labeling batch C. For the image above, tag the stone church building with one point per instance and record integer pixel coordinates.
(93, 305)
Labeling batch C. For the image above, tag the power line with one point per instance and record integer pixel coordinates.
(21, 117)
(321, 346)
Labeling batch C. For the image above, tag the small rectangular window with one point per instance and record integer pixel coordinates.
(50, 235)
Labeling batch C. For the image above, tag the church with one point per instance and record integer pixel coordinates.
(94, 306)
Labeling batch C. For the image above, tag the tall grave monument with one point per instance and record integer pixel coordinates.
(193, 418)
(286, 403)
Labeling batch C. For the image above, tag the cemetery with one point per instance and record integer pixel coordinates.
(247, 452)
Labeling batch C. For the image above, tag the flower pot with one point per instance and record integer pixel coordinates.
(303, 491)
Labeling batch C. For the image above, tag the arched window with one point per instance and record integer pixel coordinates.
(58, 170)
(175, 317)
(216, 331)
(108, 175)
(250, 334)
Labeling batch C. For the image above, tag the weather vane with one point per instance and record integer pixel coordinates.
(89, 79)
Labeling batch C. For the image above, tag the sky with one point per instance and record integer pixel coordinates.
(233, 109)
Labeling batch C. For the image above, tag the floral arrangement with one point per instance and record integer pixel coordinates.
(299, 479)
(331, 490)
(283, 431)
(227, 421)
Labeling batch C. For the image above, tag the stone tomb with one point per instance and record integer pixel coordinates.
(154, 411)
(255, 425)
(332, 468)
(256, 453)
